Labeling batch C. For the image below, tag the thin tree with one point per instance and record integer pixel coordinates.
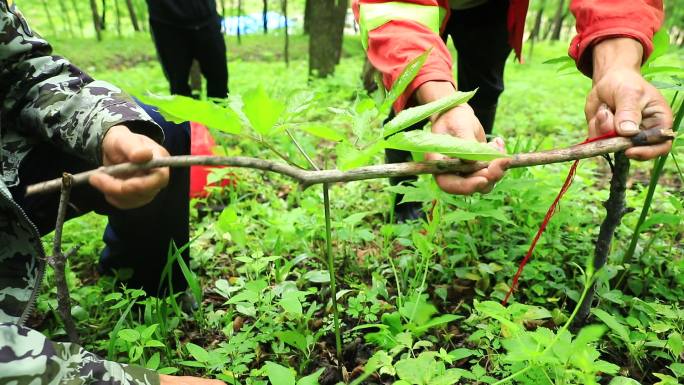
(78, 16)
(49, 17)
(325, 35)
(536, 28)
(117, 13)
(96, 20)
(558, 20)
(239, 15)
(132, 14)
(264, 16)
(307, 16)
(286, 52)
(67, 17)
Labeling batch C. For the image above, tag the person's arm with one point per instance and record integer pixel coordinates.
(614, 39)
(28, 357)
(394, 33)
(46, 97)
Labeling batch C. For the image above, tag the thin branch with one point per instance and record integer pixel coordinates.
(615, 210)
(307, 178)
(58, 261)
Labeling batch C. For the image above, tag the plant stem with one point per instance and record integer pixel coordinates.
(655, 176)
(58, 262)
(331, 270)
(587, 285)
(615, 210)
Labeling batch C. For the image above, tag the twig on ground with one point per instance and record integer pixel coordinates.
(58, 262)
(307, 178)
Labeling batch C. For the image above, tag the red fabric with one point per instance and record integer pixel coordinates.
(201, 143)
(394, 44)
(601, 19)
(549, 214)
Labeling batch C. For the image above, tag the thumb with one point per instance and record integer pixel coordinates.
(627, 114)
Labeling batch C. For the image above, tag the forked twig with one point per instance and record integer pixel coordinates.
(307, 178)
(58, 261)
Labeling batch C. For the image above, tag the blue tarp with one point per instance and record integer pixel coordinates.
(253, 23)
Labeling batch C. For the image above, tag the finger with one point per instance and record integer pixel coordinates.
(455, 184)
(605, 120)
(140, 154)
(628, 106)
(649, 152)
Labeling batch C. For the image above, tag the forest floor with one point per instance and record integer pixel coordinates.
(421, 298)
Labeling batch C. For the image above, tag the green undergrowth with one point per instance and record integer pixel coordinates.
(419, 302)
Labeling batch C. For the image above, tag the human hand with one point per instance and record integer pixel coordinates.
(621, 99)
(186, 380)
(461, 122)
(120, 145)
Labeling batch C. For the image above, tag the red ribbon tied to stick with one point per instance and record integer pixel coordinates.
(550, 213)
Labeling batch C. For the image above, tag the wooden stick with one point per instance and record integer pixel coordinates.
(308, 178)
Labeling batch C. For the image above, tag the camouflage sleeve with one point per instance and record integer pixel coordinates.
(28, 358)
(47, 97)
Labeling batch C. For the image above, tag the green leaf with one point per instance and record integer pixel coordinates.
(291, 303)
(179, 109)
(411, 116)
(262, 111)
(278, 374)
(461, 353)
(423, 141)
(311, 379)
(129, 335)
(323, 131)
(619, 329)
(153, 362)
(661, 44)
(405, 78)
(349, 157)
(197, 352)
(674, 342)
(295, 339)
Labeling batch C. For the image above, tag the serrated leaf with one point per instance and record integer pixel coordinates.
(423, 141)
(405, 78)
(623, 381)
(262, 111)
(179, 109)
(411, 116)
(291, 303)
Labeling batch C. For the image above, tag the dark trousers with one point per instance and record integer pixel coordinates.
(480, 36)
(178, 47)
(137, 239)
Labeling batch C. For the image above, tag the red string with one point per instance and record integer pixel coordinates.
(549, 214)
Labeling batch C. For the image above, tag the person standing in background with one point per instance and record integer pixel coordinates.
(187, 30)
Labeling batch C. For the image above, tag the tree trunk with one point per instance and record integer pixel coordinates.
(96, 20)
(132, 14)
(307, 16)
(239, 14)
(325, 35)
(534, 33)
(264, 16)
(49, 17)
(117, 13)
(558, 20)
(286, 50)
(67, 17)
(78, 16)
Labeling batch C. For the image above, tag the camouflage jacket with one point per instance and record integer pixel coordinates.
(45, 98)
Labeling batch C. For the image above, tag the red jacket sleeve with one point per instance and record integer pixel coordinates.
(394, 44)
(601, 19)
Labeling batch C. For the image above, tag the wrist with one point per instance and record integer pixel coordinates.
(616, 54)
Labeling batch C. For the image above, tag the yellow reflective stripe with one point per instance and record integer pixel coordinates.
(374, 15)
